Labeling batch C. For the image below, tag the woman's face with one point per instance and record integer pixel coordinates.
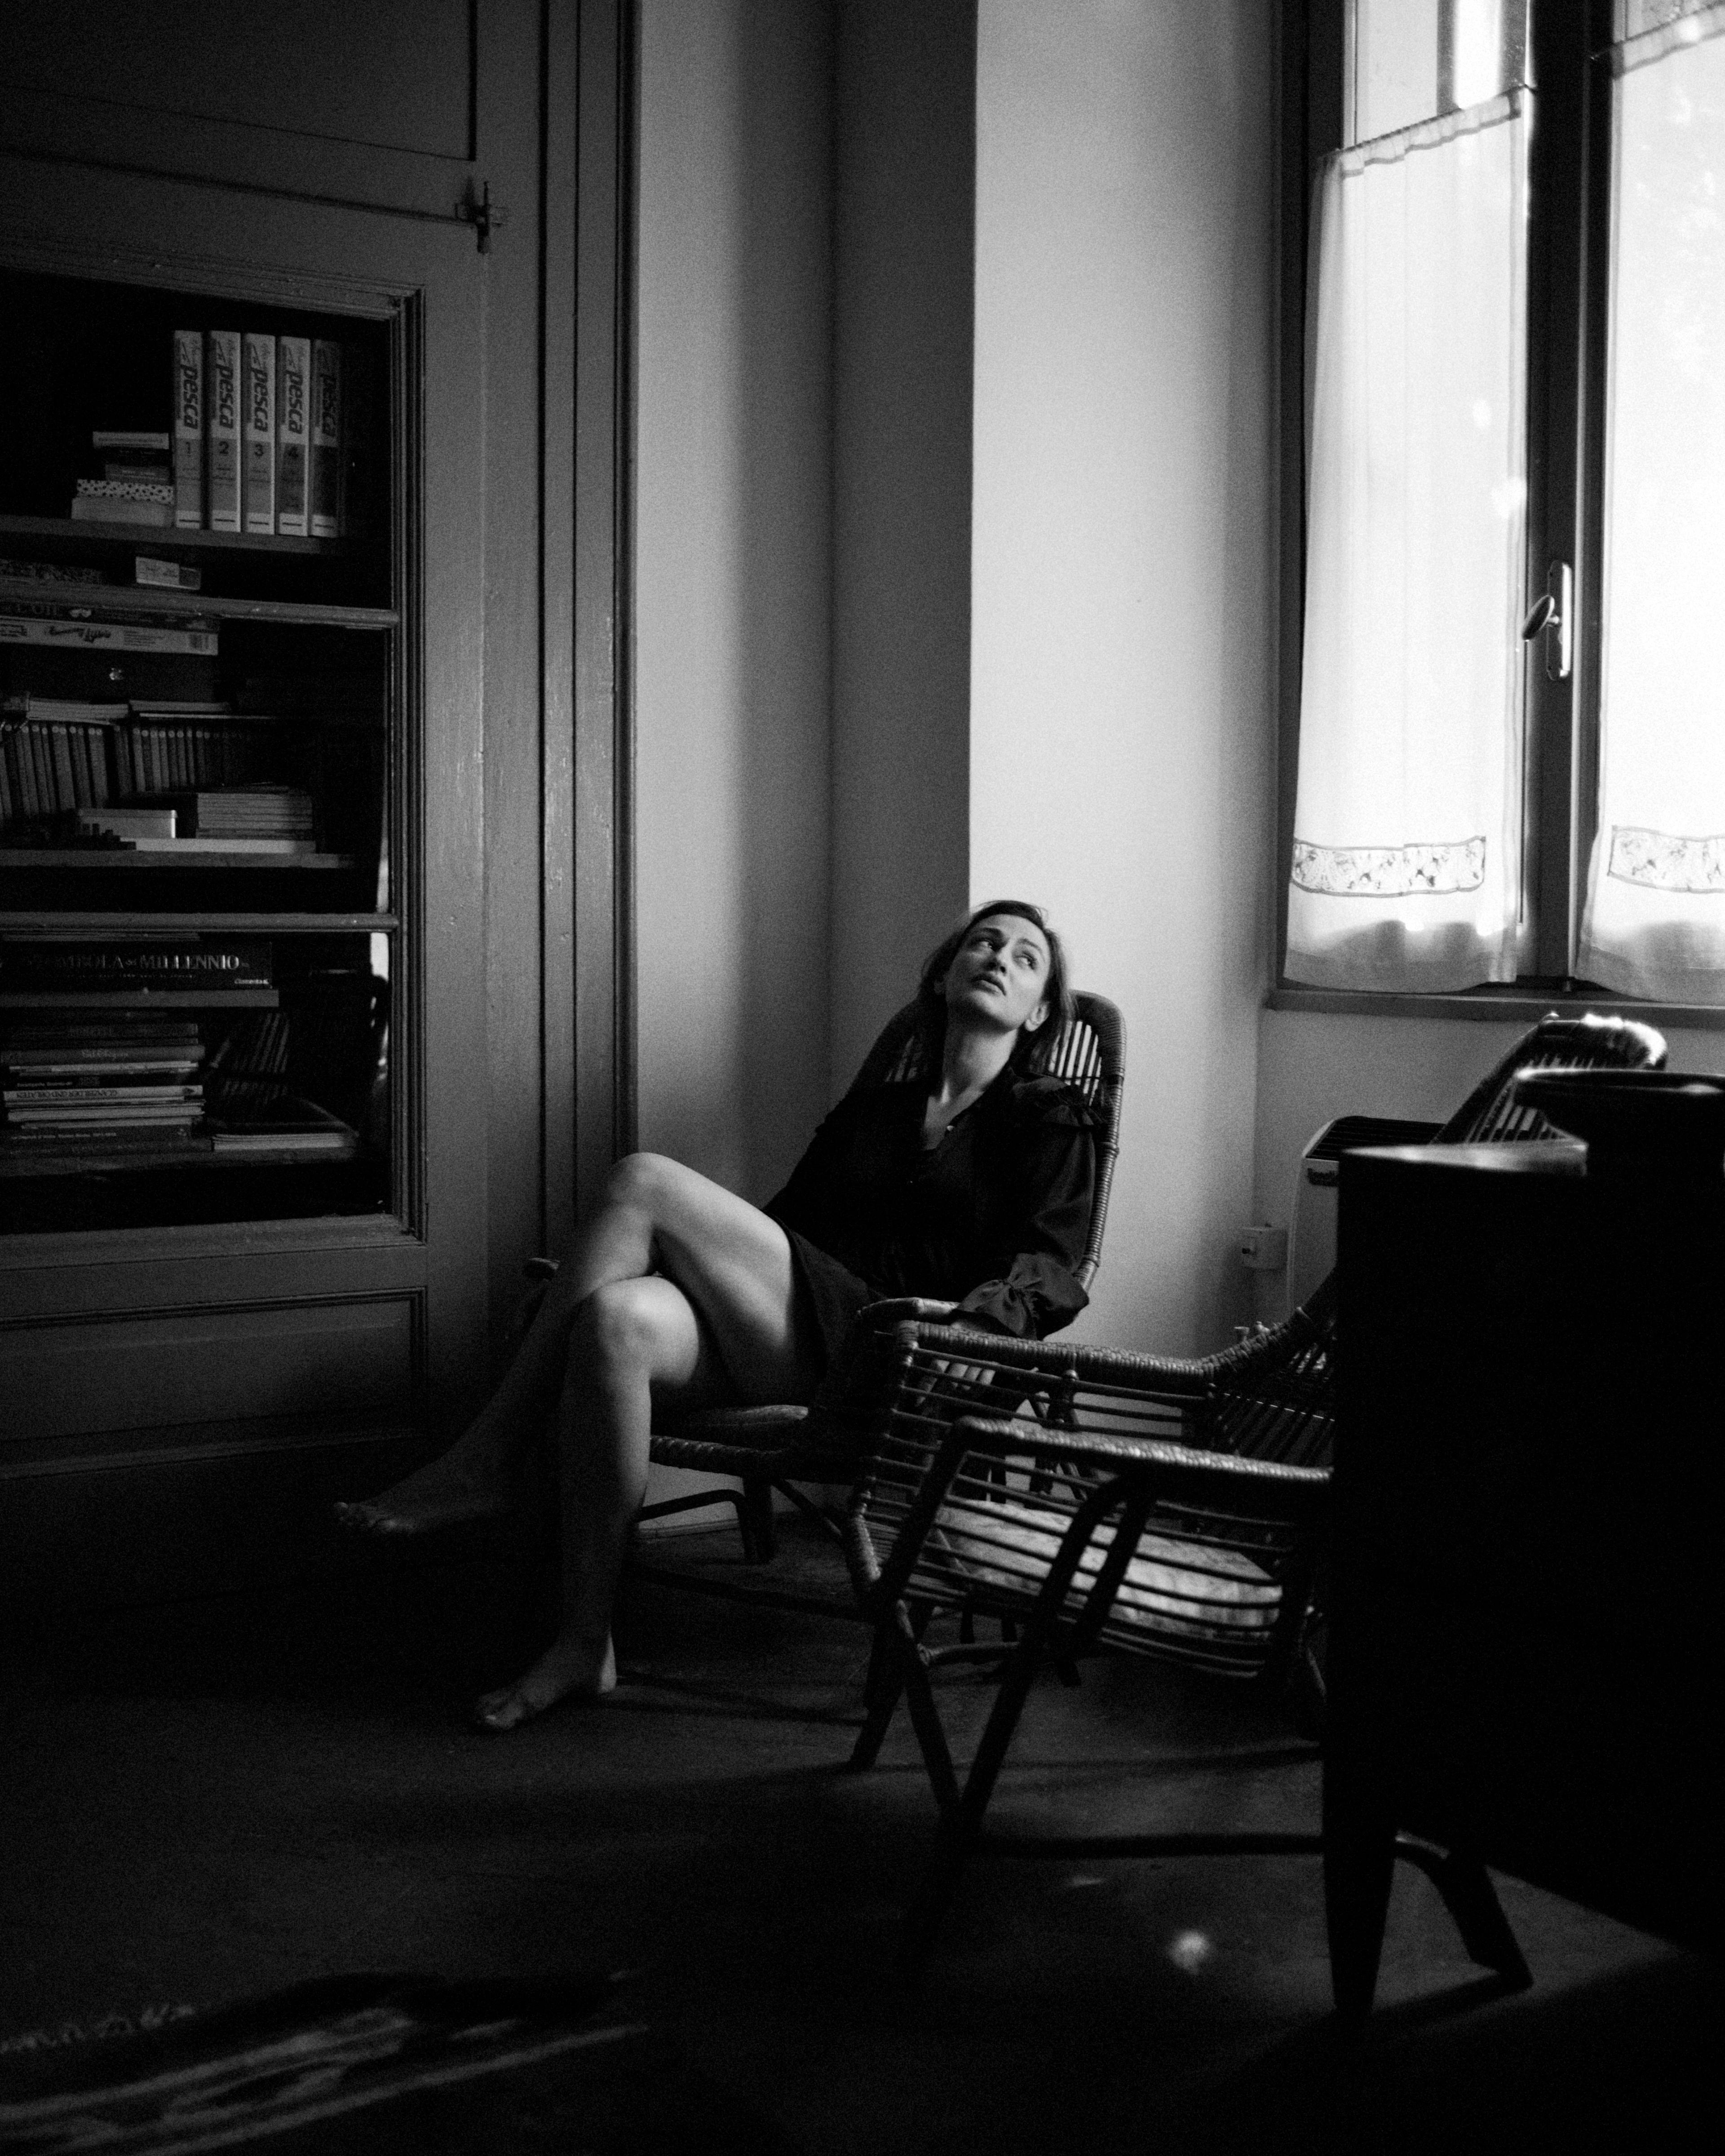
(1000, 974)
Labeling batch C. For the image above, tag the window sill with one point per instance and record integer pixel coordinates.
(1518, 1004)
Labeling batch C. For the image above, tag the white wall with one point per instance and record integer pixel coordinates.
(1122, 716)
(733, 580)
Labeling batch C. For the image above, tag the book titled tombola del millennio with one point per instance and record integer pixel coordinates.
(166, 962)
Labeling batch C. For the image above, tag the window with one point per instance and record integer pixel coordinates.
(1511, 730)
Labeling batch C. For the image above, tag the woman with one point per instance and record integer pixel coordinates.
(973, 1186)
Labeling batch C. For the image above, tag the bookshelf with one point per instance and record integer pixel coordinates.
(201, 741)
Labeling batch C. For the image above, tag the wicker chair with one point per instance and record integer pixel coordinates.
(769, 1449)
(1089, 1498)
(777, 1448)
(1491, 1114)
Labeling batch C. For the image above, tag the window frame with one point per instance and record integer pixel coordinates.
(1569, 289)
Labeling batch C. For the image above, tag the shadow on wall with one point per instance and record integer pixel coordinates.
(784, 534)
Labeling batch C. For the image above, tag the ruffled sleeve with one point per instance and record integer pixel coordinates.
(1044, 1221)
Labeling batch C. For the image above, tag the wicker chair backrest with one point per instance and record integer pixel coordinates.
(1089, 1053)
(1490, 1114)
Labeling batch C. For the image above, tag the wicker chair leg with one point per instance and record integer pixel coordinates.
(882, 1690)
(961, 1827)
(926, 1721)
(754, 1517)
(961, 1813)
(1307, 1690)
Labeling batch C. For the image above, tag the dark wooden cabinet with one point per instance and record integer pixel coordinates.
(194, 1358)
(1526, 1629)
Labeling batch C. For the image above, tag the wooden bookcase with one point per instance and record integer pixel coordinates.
(198, 1291)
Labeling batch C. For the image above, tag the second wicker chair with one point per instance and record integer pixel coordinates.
(1095, 1498)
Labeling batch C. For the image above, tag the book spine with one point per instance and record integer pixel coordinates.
(293, 421)
(245, 963)
(172, 576)
(65, 786)
(188, 429)
(259, 475)
(108, 636)
(222, 427)
(326, 439)
(119, 509)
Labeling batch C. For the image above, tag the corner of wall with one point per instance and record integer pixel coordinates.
(904, 254)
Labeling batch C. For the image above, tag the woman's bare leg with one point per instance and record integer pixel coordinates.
(657, 1216)
(718, 1322)
(634, 1344)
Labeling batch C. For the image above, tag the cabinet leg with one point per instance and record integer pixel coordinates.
(1359, 1856)
(1472, 1902)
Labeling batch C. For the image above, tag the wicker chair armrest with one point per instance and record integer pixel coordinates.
(1156, 1377)
(1165, 1376)
(898, 1309)
(1202, 1477)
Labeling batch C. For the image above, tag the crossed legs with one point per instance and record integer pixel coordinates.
(676, 1294)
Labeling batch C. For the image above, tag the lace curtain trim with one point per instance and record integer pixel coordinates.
(1410, 871)
(1659, 861)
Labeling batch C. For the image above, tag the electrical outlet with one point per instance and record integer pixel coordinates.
(1264, 1249)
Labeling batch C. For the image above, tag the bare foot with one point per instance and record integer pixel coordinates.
(572, 1669)
(438, 1495)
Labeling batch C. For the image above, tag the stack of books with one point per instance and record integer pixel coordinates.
(146, 776)
(263, 814)
(130, 1075)
(51, 573)
(137, 485)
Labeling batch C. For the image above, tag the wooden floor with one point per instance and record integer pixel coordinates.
(216, 1799)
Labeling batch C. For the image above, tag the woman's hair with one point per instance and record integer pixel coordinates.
(1030, 1051)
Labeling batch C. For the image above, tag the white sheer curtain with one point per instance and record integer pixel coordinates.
(1407, 854)
(1654, 919)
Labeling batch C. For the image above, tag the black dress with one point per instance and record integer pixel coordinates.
(994, 1217)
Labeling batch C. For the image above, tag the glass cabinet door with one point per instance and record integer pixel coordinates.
(200, 757)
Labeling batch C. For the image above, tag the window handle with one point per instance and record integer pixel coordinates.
(1549, 617)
